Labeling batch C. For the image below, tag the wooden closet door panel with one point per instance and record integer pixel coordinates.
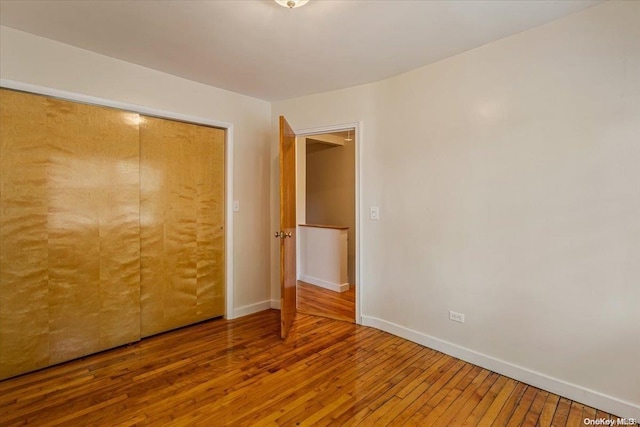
(73, 234)
(24, 288)
(180, 190)
(93, 228)
(210, 219)
(69, 231)
(168, 227)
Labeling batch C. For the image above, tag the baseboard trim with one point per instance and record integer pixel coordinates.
(580, 394)
(275, 303)
(251, 308)
(336, 287)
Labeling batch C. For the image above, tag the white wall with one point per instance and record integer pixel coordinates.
(508, 181)
(39, 61)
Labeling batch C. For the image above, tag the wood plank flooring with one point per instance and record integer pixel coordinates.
(239, 373)
(323, 302)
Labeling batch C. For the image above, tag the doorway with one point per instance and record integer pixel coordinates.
(327, 205)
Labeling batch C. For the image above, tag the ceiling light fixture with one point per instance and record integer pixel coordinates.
(292, 3)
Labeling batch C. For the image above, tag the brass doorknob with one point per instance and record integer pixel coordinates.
(281, 234)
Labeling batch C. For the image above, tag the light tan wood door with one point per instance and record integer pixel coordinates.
(69, 230)
(287, 234)
(182, 276)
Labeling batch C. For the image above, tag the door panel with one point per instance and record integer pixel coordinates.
(94, 247)
(210, 238)
(69, 231)
(182, 224)
(288, 227)
(24, 286)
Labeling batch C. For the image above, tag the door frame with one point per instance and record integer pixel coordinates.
(358, 136)
(228, 164)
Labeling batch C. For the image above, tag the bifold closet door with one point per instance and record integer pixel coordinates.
(181, 224)
(69, 230)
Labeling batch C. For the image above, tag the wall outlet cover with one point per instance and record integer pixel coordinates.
(456, 317)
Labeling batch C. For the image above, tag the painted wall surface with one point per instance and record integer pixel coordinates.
(508, 182)
(39, 61)
(331, 191)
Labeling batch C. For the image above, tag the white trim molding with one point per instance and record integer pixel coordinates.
(574, 392)
(228, 197)
(275, 304)
(336, 287)
(252, 308)
(87, 99)
(228, 127)
(359, 140)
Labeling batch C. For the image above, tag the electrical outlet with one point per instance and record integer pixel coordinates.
(456, 317)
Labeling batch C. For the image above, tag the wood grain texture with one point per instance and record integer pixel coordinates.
(324, 302)
(210, 214)
(288, 275)
(240, 373)
(24, 284)
(69, 230)
(93, 229)
(182, 224)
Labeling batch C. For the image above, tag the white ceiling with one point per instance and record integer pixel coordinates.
(258, 48)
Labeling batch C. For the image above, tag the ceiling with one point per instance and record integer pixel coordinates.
(263, 50)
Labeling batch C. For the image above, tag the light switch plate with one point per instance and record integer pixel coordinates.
(236, 206)
(374, 213)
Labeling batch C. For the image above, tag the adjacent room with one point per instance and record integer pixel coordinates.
(319, 212)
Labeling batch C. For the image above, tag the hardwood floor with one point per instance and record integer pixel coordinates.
(237, 373)
(323, 302)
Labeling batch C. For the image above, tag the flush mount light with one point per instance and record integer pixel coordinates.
(291, 3)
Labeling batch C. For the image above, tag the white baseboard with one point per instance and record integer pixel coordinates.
(275, 303)
(574, 392)
(251, 308)
(336, 287)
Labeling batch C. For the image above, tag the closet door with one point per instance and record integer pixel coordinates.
(69, 231)
(24, 283)
(182, 224)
